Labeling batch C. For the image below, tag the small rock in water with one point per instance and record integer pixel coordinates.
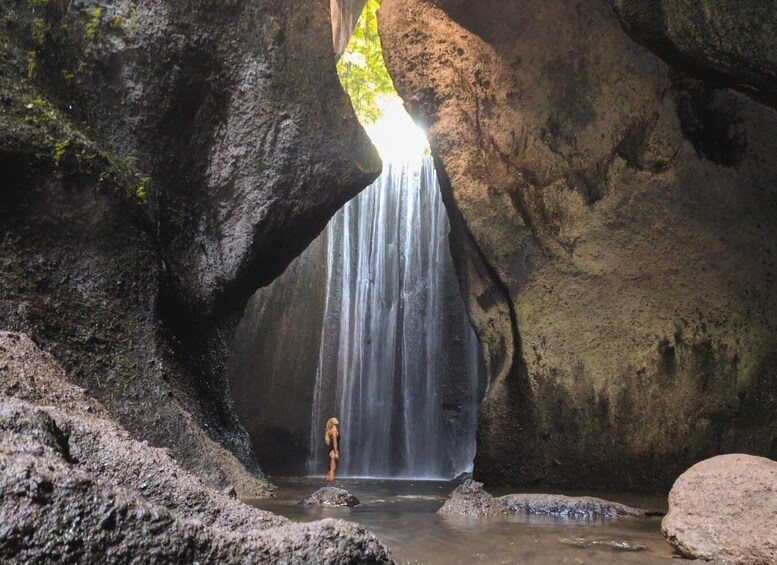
(614, 544)
(331, 496)
(470, 499)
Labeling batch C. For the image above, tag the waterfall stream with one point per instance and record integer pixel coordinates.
(398, 360)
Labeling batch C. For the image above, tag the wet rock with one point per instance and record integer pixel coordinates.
(331, 496)
(202, 147)
(613, 544)
(601, 277)
(725, 508)
(470, 499)
(76, 487)
(568, 506)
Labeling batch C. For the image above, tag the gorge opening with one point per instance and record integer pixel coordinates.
(367, 325)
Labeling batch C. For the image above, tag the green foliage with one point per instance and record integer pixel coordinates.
(140, 192)
(362, 70)
(32, 63)
(116, 23)
(60, 148)
(38, 30)
(92, 28)
(45, 39)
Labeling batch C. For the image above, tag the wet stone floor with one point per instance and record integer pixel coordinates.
(403, 515)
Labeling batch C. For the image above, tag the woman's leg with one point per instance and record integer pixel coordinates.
(332, 466)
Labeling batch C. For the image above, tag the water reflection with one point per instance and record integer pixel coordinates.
(402, 514)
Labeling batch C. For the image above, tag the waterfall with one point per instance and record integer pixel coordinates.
(398, 360)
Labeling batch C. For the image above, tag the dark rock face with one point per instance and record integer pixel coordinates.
(725, 508)
(470, 499)
(612, 225)
(164, 160)
(272, 369)
(75, 487)
(725, 42)
(331, 496)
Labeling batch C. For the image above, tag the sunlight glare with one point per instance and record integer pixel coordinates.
(397, 138)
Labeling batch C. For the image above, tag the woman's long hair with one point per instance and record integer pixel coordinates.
(330, 423)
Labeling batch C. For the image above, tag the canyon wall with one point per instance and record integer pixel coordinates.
(610, 176)
(162, 160)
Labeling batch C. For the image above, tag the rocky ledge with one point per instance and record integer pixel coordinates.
(331, 496)
(75, 487)
(725, 509)
(471, 499)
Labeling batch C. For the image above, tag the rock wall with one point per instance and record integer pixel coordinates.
(272, 369)
(161, 161)
(613, 227)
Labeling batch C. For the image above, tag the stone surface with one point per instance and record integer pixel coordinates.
(331, 496)
(272, 368)
(75, 487)
(613, 544)
(726, 42)
(612, 224)
(161, 161)
(471, 499)
(345, 14)
(725, 509)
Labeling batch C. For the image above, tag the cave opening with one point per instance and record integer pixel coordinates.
(368, 324)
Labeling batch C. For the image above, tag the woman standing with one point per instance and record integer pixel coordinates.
(332, 437)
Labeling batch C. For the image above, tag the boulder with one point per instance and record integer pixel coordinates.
(331, 496)
(725, 508)
(470, 499)
(75, 487)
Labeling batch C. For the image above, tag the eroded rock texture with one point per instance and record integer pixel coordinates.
(613, 229)
(76, 488)
(471, 499)
(330, 496)
(161, 160)
(724, 42)
(725, 508)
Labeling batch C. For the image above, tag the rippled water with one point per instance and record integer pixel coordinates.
(403, 515)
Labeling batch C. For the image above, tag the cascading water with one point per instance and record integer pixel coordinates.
(399, 361)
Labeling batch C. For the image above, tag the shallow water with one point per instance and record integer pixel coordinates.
(403, 515)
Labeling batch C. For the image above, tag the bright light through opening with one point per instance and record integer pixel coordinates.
(397, 138)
